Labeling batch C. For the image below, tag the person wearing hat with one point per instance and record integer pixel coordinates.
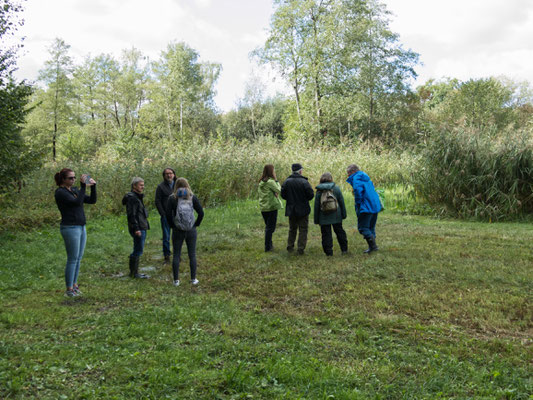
(163, 191)
(297, 192)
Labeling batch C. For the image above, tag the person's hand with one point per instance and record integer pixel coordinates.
(137, 233)
(91, 182)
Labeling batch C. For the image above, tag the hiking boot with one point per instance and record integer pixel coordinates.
(177, 282)
(300, 252)
(195, 281)
(167, 258)
(372, 246)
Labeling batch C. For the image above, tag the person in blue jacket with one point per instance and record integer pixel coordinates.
(367, 205)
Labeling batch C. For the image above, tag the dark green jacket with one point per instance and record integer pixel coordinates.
(333, 218)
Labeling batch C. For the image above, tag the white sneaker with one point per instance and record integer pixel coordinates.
(177, 282)
(195, 282)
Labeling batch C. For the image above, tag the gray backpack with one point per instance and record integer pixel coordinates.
(328, 202)
(184, 218)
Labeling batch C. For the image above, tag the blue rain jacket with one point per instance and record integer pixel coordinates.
(366, 198)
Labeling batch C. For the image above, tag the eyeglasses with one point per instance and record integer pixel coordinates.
(70, 178)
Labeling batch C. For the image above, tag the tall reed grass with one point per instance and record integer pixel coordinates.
(478, 174)
(218, 171)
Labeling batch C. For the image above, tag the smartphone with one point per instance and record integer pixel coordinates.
(87, 179)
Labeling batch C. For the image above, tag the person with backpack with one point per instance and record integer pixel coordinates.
(137, 224)
(297, 191)
(330, 211)
(269, 202)
(367, 205)
(180, 215)
(70, 200)
(163, 191)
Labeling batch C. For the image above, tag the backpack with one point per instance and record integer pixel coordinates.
(328, 202)
(184, 218)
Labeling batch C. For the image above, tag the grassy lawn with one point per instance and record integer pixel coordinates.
(443, 310)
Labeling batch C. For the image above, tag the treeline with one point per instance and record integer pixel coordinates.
(352, 83)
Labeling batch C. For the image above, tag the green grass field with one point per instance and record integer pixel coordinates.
(443, 310)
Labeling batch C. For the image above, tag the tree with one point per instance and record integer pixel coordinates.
(15, 159)
(59, 94)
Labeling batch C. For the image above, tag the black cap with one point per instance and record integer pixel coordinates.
(296, 167)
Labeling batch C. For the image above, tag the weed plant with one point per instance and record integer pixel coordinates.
(478, 174)
(218, 171)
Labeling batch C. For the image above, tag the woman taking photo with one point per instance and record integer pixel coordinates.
(180, 216)
(269, 202)
(69, 200)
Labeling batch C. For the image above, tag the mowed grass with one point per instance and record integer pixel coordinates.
(443, 310)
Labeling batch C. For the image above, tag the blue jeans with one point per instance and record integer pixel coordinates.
(138, 245)
(177, 241)
(75, 237)
(366, 224)
(165, 227)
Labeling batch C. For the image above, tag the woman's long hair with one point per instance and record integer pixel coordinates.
(185, 192)
(268, 172)
(61, 175)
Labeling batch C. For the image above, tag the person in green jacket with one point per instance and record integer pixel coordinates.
(269, 202)
(330, 211)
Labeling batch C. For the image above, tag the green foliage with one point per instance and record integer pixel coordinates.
(479, 173)
(218, 170)
(427, 317)
(16, 159)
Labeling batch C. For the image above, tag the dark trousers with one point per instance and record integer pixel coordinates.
(177, 241)
(165, 228)
(298, 224)
(270, 218)
(366, 224)
(327, 238)
(138, 245)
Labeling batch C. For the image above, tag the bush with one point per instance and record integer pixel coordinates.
(478, 173)
(218, 171)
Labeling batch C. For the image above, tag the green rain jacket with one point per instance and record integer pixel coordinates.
(269, 193)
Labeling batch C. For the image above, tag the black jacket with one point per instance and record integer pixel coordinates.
(70, 204)
(297, 191)
(161, 196)
(137, 213)
(171, 210)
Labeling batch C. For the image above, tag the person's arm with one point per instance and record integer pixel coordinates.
(309, 192)
(132, 207)
(92, 198)
(274, 186)
(317, 207)
(340, 199)
(65, 198)
(199, 210)
(358, 196)
(169, 211)
(158, 203)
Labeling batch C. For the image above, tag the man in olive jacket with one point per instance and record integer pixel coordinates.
(297, 191)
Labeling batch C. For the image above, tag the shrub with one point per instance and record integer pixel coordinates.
(478, 173)
(218, 171)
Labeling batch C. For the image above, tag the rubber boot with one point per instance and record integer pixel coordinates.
(372, 246)
(132, 266)
(136, 273)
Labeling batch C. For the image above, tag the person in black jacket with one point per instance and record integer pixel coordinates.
(164, 189)
(137, 223)
(297, 191)
(180, 216)
(70, 201)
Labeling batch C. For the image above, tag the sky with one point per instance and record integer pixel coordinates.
(455, 38)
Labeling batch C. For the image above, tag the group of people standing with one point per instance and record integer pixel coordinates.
(176, 204)
(329, 207)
